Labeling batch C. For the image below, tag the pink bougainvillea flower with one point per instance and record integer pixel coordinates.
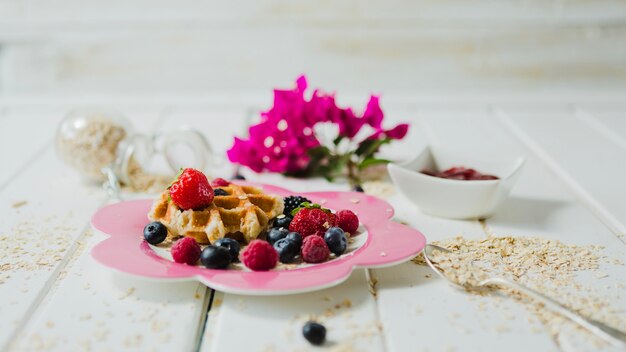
(281, 140)
(398, 132)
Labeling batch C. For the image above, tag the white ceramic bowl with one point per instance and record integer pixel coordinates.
(454, 198)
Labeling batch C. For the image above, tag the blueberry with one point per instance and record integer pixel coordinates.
(155, 232)
(336, 240)
(220, 192)
(276, 234)
(239, 176)
(214, 257)
(358, 188)
(230, 244)
(287, 250)
(296, 238)
(314, 332)
(282, 221)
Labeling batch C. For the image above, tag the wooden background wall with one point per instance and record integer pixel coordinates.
(119, 47)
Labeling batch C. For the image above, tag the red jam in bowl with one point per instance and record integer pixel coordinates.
(460, 173)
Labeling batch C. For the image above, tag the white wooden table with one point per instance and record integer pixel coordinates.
(55, 297)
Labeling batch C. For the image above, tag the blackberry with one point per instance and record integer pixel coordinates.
(292, 202)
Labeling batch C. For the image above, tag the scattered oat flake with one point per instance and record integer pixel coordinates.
(355, 200)
(19, 204)
(383, 254)
(600, 275)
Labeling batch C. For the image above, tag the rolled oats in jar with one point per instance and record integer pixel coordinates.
(88, 140)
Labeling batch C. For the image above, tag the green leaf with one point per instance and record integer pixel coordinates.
(307, 205)
(337, 140)
(370, 147)
(367, 162)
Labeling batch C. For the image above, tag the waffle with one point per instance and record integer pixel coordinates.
(243, 214)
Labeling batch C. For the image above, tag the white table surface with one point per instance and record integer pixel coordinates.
(55, 297)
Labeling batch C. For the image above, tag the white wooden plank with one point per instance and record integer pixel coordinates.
(82, 294)
(210, 59)
(315, 13)
(43, 229)
(414, 303)
(585, 156)
(275, 323)
(539, 206)
(610, 122)
(24, 133)
(93, 308)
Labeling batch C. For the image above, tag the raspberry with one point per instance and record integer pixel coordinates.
(191, 190)
(314, 249)
(186, 250)
(259, 256)
(219, 182)
(347, 221)
(309, 222)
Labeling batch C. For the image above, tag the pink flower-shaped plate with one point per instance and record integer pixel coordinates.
(381, 242)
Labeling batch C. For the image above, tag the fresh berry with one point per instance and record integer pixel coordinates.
(276, 234)
(219, 182)
(314, 332)
(358, 188)
(215, 257)
(186, 250)
(336, 240)
(220, 192)
(310, 221)
(314, 249)
(292, 202)
(282, 221)
(239, 177)
(155, 232)
(286, 249)
(231, 244)
(295, 238)
(348, 221)
(259, 256)
(191, 190)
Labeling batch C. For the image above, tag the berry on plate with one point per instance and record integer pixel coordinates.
(282, 221)
(286, 249)
(336, 240)
(215, 257)
(295, 238)
(348, 221)
(276, 234)
(191, 190)
(293, 202)
(312, 221)
(219, 182)
(314, 332)
(259, 256)
(231, 244)
(186, 250)
(314, 249)
(155, 232)
(220, 192)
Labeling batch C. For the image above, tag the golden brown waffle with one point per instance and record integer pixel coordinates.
(243, 214)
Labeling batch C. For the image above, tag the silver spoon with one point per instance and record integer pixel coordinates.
(613, 336)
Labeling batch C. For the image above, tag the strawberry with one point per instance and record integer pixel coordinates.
(191, 190)
(312, 221)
